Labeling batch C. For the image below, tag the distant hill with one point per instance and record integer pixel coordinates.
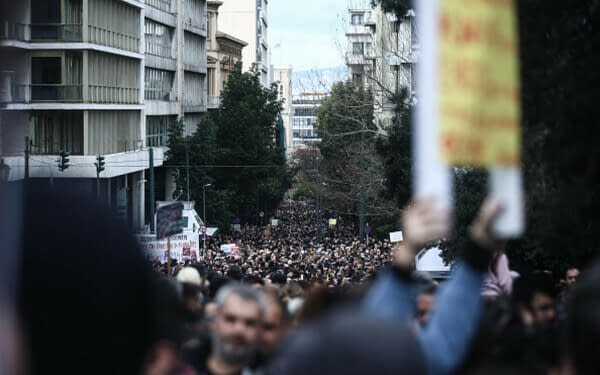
(318, 80)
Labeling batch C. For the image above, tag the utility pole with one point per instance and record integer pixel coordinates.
(151, 178)
(361, 217)
(187, 169)
(319, 234)
(27, 150)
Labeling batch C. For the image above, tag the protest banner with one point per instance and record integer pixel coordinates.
(468, 111)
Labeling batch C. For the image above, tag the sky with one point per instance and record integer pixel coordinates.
(307, 34)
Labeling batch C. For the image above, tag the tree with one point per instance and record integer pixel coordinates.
(246, 135)
(395, 7)
(350, 167)
(234, 149)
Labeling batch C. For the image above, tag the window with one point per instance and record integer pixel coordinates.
(157, 131)
(357, 79)
(209, 26)
(46, 77)
(358, 48)
(55, 131)
(159, 39)
(369, 48)
(357, 19)
(158, 84)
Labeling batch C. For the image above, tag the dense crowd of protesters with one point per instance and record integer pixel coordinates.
(294, 250)
(87, 302)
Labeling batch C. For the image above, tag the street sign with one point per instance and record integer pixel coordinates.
(261, 214)
(203, 229)
(367, 229)
(169, 220)
(396, 236)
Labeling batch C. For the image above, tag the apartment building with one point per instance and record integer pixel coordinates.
(360, 53)
(382, 53)
(304, 108)
(224, 52)
(283, 78)
(247, 20)
(100, 77)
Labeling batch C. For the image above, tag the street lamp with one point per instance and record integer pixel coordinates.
(4, 171)
(204, 216)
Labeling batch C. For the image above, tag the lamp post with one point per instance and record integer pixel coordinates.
(204, 216)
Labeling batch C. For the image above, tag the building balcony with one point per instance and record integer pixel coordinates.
(214, 102)
(355, 59)
(157, 94)
(164, 5)
(194, 106)
(52, 32)
(49, 93)
(196, 25)
(13, 31)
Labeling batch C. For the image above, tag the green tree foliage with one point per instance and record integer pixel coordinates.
(396, 7)
(234, 149)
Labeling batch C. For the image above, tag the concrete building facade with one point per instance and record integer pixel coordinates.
(100, 77)
(224, 52)
(304, 107)
(247, 20)
(382, 53)
(283, 79)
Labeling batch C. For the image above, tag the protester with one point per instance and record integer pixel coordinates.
(235, 336)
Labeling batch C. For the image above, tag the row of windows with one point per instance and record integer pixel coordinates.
(359, 48)
(303, 122)
(158, 84)
(305, 111)
(157, 130)
(159, 39)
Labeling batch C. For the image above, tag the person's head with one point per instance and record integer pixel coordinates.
(571, 276)
(425, 301)
(237, 324)
(191, 283)
(275, 321)
(86, 296)
(583, 322)
(537, 294)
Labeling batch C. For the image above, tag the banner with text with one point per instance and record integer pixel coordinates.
(479, 100)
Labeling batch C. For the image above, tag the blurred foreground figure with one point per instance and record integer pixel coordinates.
(376, 338)
(235, 336)
(85, 296)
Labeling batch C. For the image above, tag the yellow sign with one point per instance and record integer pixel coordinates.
(479, 83)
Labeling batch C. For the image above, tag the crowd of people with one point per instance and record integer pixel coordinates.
(88, 302)
(293, 250)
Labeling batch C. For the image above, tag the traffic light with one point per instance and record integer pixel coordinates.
(99, 164)
(63, 161)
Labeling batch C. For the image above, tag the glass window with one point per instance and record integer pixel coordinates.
(157, 131)
(358, 48)
(357, 19)
(55, 131)
(159, 38)
(158, 84)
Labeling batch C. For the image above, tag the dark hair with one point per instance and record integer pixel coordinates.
(201, 268)
(527, 285)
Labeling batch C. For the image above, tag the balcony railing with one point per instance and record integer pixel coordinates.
(157, 94)
(114, 39)
(12, 31)
(63, 93)
(160, 4)
(198, 23)
(55, 32)
(112, 94)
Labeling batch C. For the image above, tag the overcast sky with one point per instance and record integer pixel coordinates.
(307, 34)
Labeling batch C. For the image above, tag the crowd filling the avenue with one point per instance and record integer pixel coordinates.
(295, 299)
